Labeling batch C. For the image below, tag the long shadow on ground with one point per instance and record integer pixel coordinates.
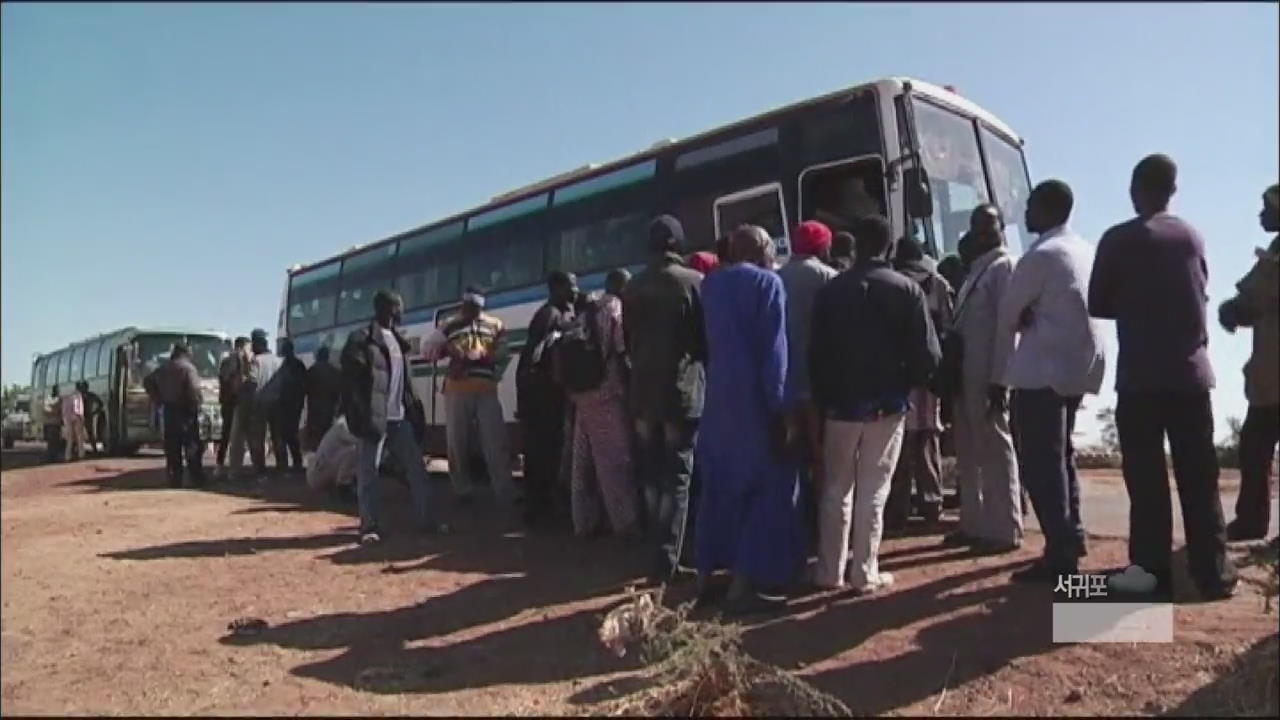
(404, 650)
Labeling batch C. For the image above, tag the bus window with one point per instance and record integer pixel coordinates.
(949, 149)
(38, 371)
(760, 206)
(1009, 183)
(64, 366)
(429, 267)
(508, 252)
(838, 194)
(91, 359)
(313, 295)
(104, 357)
(512, 261)
(363, 275)
(602, 223)
(77, 365)
(601, 244)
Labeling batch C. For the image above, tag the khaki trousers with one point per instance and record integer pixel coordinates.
(858, 459)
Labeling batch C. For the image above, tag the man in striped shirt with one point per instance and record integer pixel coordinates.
(474, 346)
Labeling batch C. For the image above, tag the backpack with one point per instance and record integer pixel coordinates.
(577, 356)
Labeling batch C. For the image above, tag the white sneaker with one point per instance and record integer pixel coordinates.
(882, 581)
(370, 538)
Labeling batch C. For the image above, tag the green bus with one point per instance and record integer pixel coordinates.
(114, 365)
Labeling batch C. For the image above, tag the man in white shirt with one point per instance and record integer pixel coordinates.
(1059, 358)
(73, 424)
(990, 494)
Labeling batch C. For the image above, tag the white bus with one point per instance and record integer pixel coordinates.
(921, 155)
(114, 365)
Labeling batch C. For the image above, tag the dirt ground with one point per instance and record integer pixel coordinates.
(117, 594)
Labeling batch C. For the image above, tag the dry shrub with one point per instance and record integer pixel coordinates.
(1246, 686)
(1266, 556)
(699, 668)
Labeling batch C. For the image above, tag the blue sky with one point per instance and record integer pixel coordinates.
(164, 164)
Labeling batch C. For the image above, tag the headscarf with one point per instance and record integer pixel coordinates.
(1272, 196)
(812, 238)
(704, 262)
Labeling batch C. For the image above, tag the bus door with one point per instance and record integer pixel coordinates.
(839, 192)
(762, 205)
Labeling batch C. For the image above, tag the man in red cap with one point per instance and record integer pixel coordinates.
(802, 278)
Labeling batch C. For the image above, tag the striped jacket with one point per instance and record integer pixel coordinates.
(474, 349)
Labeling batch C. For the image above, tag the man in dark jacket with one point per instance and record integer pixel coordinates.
(662, 322)
(540, 402)
(175, 386)
(231, 376)
(864, 398)
(1150, 276)
(287, 413)
(920, 463)
(324, 390)
(381, 408)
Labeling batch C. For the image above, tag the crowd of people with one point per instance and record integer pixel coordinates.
(735, 415)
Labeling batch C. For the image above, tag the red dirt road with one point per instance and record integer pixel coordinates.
(117, 594)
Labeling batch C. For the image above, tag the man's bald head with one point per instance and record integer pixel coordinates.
(751, 244)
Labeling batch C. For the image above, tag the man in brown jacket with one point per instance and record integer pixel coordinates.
(175, 386)
(1257, 306)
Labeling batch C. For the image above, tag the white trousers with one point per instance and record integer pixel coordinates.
(859, 461)
(990, 495)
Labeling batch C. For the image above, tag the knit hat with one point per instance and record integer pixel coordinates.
(812, 238)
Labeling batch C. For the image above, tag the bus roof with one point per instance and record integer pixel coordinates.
(143, 330)
(893, 86)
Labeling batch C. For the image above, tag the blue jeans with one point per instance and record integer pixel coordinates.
(1047, 466)
(402, 445)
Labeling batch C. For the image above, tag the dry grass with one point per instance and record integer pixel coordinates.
(698, 669)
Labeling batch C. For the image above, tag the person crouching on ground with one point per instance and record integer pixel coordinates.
(333, 466)
(382, 409)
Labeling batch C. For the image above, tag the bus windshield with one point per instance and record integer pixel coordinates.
(206, 351)
(1009, 183)
(950, 153)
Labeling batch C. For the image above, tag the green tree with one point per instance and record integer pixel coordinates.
(11, 393)
(1229, 449)
(1110, 436)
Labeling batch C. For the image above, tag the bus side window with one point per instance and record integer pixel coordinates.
(64, 366)
(104, 358)
(840, 193)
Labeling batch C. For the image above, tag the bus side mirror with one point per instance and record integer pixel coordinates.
(916, 194)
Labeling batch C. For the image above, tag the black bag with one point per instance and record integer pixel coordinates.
(947, 379)
(578, 357)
